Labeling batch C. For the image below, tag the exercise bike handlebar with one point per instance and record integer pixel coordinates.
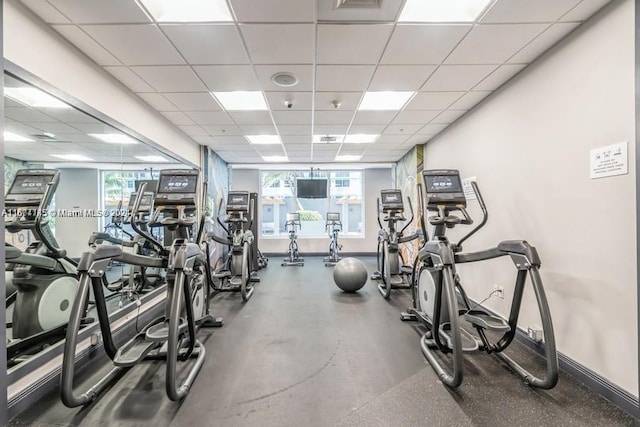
(134, 225)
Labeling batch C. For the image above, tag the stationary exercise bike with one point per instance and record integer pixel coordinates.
(171, 338)
(333, 226)
(392, 273)
(43, 278)
(439, 299)
(293, 256)
(234, 273)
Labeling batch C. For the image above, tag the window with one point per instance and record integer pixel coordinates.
(117, 186)
(278, 197)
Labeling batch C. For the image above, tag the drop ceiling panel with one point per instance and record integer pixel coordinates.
(292, 117)
(449, 116)
(231, 140)
(400, 77)
(347, 100)
(207, 43)
(304, 73)
(416, 116)
(500, 76)
(279, 43)
(457, 77)
(469, 100)
(333, 117)
(193, 130)
(343, 78)
(101, 11)
(210, 117)
(335, 129)
(266, 129)
(159, 102)
(82, 41)
(251, 117)
(270, 150)
(171, 78)
(222, 78)
(130, 79)
(298, 147)
(222, 130)
(387, 12)
(494, 44)
(584, 10)
(193, 101)
(46, 12)
(289, 132)
(402, 129)
(54, 127)
(178, 118)
(25, 114)
(351, 44)
(433, 100)
(274, 10)
(300, 100)
(505, 11)
(385, 140)
(374, 129)
(70, 115)
(373, 117)
(135, 44)
(423, 44)
(542, 43)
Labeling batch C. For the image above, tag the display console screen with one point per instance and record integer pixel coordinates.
(443, 184)
(170, 184)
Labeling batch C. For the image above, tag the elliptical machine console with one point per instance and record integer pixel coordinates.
(44, 279)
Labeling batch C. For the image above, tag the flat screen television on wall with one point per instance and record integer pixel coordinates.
(311, 188)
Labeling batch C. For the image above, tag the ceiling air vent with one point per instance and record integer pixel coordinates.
(328, 139)
(361, 4)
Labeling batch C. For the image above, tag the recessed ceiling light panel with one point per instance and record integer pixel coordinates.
(442, 10)
(188, 10)
(275, 158)
(264, 139)
(73, 157)
(34, 97)
(348, 158)
(387, 100)
(14, 137)
(241, 100)
(152, 159)
(113, 138)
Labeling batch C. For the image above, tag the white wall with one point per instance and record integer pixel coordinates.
(374, 181)
(78, 188)
(35, 47)
(529, 147)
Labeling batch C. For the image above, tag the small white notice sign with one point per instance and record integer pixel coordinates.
(609, 161)
(468, 189)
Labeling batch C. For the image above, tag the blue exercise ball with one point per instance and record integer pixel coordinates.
(350, 274)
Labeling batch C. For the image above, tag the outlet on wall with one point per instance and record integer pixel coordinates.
(498, 291)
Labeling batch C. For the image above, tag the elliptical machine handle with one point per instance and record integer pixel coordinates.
(224, 227)
(410, 219)
(485, 215)
(423, 226)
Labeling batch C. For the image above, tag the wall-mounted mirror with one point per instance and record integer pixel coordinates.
(70, 179)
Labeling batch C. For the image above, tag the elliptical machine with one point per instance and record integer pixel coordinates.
(43, 277)
(172, 337)
(293, 256)
(234, 273)
(333, 226)
(392, 272)
(438, 290)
